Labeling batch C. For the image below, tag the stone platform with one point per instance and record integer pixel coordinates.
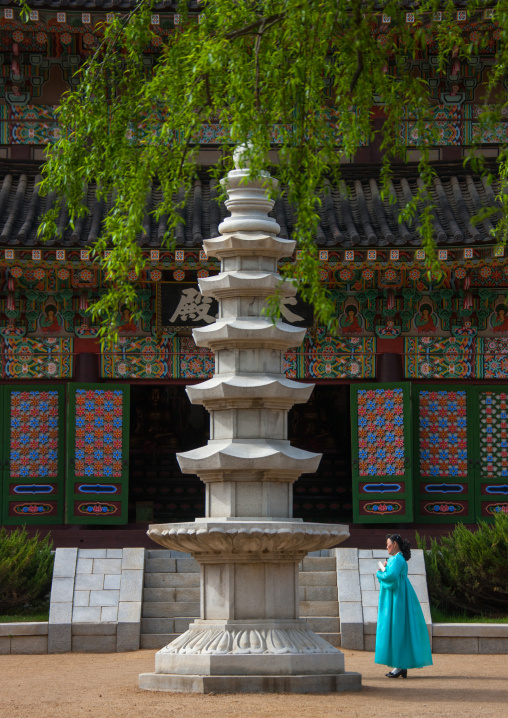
(318, 683)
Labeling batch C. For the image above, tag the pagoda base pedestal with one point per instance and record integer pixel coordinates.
(226, 656)
(317, 683)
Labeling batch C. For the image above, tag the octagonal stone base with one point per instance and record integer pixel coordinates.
(258, 656)
(324, 683)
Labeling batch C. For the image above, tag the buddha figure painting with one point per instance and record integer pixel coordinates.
(425, 320)
(499, 319)
(50, 321)
(350, 321)
(126, 323)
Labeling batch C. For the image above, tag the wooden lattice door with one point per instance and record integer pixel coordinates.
(491, 450)
(444, 470)
(32, 457)
(97, 454)
(381, 453)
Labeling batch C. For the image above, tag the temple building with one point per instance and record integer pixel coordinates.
(411, 398)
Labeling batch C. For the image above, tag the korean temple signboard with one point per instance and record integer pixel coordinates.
(181, 304)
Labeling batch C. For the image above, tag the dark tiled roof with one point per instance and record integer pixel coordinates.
(108, 5)
(99, 5)
(352, 212)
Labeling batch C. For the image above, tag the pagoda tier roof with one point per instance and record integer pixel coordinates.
(352, 211)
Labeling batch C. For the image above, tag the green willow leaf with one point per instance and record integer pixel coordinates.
(259, 70)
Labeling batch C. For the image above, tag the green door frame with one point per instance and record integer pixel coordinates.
(34, 498)
(445, 498)
(491, 467)
(384, 497)
(94, 496)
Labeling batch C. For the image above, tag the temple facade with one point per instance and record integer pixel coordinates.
(410, 404)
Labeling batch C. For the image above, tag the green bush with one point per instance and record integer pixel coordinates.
(467, 571)
(26, 568)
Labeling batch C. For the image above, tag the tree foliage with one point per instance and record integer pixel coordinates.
(26, 569)
(467, 571)
(260, 69)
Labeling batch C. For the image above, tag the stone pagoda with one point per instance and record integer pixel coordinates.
(249, 637)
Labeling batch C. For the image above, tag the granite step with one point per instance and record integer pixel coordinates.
(173, 565)
(156, 640)
(318, 578)
(319, 563)
(319, 608)
(319, 593)
(157, 625)
(171, 594)
(171, 580)
(170, 609)
(333, 638)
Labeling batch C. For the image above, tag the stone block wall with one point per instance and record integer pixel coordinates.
(484, 638)
(23, 638)
(96, 599)
(97, 596)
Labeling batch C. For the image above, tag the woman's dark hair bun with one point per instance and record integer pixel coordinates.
(404, 545)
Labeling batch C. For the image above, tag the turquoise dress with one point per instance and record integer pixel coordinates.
(402, 639)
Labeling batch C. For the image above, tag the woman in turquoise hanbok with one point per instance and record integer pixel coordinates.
(402, 639)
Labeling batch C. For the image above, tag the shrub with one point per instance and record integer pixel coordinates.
(467, 571)
(26, 568)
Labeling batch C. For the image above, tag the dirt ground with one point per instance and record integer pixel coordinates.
(77, 685)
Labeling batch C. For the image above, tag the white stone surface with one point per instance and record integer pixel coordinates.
(112, 582)
(107, 565)
(65, 562)
(89, 582)
(129, 612)
(482, 630)
(62, 590)
(348, 584)
(109, 613)
(368, 565)
(131, 586)
(81, 598)
(92, 597)
(133, 558)
(84, 565)
(351, 612)
(104, 598)
(369, 614)
(346, 558)
(370, 598)
(364, 553)
(117, 552)
(86, 614)
(24, 629)
(368, 582)
(248, 547)
(93, 552)
(60, 612)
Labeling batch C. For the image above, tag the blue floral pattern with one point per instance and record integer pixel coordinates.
(443, 433)
(381, 432)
